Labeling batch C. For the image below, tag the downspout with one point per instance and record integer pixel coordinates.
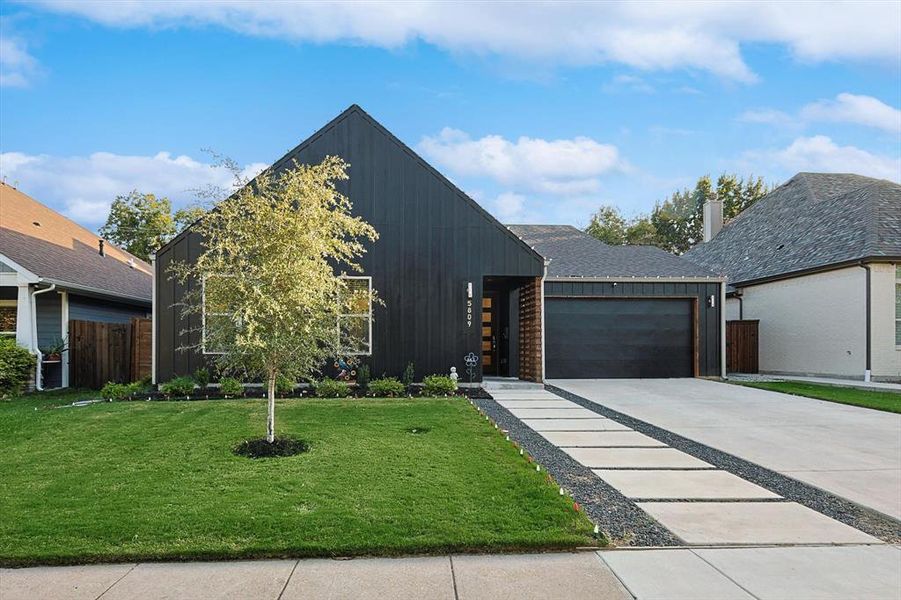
(153, 319)
(723, 329)
(38, 378)
(868, 370)
(543, 353)
(741, 305)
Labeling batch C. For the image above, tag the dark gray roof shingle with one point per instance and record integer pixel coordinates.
(814, 220)
(574, 253)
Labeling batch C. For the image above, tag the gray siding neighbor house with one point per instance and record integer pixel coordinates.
(818, 263)
(456, 281)
(53, 270)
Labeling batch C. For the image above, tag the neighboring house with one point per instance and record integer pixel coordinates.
(818, 262)
(456, 281)
(52, 271)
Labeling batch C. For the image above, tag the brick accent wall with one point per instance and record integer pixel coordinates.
(530, 331)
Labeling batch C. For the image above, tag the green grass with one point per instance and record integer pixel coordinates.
(879, 400)
(157, 480)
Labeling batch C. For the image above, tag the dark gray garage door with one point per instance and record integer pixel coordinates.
(607, 338)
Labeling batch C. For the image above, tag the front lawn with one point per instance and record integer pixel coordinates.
(157, 480)
(880, 400)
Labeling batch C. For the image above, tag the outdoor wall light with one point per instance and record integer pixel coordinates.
(469, 289)
(711, 301)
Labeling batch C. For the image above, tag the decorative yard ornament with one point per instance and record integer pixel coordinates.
(345, 371)
(453, 374)
(471, 361)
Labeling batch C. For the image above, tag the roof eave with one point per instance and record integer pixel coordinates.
(818, 269)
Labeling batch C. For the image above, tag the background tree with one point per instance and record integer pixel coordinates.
(139, 223)
(608, 225)
(641, 232)
(269, 261)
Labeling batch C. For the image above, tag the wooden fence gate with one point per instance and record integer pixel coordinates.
(741, 346)
(103, 352)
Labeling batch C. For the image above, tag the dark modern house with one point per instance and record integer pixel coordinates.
(815, 268)
(54, 271)
(531, 302)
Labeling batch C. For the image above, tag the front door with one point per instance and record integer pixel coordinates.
(489, 333)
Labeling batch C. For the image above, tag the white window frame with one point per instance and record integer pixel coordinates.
(368, 315)
(203, 315)
(897, 312)
(14, 304)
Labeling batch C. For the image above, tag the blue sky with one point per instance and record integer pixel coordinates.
(540, 112)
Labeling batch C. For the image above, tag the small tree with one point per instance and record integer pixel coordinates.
(269, 273)
(608, 225)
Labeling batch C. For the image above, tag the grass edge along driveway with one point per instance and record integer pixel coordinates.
(138, 481)
(875, 399)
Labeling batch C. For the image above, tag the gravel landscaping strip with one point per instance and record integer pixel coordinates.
(618, 518)
(869, 521)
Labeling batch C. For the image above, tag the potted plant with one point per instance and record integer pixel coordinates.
(53, 351)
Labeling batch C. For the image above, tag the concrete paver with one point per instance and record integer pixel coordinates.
(752, 523)
(697, 485)
(375, 578)
(822, 443)
(203, 580)
(635, 458)
(839, 573)
(60, 583)
(600, 438)
(559, 403)
(598, 424)
(671, 575)
(554, 413)
(540, 576)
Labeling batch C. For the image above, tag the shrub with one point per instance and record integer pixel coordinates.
(409, 375)
(180, 386)
(438, 385)
(363, 377)
(329, 388)
(16, 366)
(121, 391)
(202, 378)
(387, 386)
(229, 386)
(284, 386)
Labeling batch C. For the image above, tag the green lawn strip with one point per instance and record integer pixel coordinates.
(158, 481)
(879, 400)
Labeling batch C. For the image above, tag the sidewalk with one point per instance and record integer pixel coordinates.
(851, 383)
(861, 572)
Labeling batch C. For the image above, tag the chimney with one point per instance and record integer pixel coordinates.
(100, 245)
(713, 218)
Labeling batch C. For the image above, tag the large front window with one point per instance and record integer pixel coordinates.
(218, 324)
(8, 318)
(898, 305)
(355, 319)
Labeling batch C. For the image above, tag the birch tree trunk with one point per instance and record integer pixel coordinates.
(270, 419)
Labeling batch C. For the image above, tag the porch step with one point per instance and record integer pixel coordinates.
(509, 383)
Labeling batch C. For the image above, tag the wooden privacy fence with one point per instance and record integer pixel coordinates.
(741, 346)
(103, 352)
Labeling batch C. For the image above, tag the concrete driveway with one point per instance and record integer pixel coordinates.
(852, 452)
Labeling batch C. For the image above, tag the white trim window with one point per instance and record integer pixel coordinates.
(898, 306)
(213, 311)
(8, 318)
(355, 325)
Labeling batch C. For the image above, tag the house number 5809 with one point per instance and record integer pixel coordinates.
(469, 313)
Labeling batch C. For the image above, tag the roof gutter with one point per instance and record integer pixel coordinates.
(857, 262)
(38, 375)
(623, 279)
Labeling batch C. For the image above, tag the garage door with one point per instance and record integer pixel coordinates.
(607, 338)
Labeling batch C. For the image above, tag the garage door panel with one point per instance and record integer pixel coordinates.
(588, 338)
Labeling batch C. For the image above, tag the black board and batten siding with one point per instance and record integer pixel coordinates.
(433, 240)
(682, 294)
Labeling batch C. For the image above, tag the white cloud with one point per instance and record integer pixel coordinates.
(18, 68)
(852, 108)
(556, 167)
(82, 187)
(820, 154)
(846, 108)
(508, 207)
(628, 83)
(705, 36)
